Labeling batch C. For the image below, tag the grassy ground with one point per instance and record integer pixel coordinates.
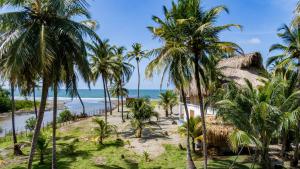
(112, 155)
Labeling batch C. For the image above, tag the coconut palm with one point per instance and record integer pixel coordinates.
(29, 36)
(290, 49)
(138, 54)
(103, 63)
(259, 113)
(192, 27)
(195, 130)
(171, 60)
(167, 100)
(141, 113)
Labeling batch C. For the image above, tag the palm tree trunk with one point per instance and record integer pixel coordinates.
(82, 104)
(284, 141)
(122, 108)
(193, 145)
(34, 102)
(171, 110)
(139, 76)
(109, 100)
(105, 102)
(167, 112)
(17, 150)
(38, 125)
(265, 159)
(296, 151)
(200, 97)
(118, 103)
(190, 162)
(54, 164)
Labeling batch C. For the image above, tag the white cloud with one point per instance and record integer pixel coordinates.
(253, 41)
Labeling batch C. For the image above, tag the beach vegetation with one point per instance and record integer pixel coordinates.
(141, 112)
(65, 116)
(103, 130)
(30, 123)
(168, 100)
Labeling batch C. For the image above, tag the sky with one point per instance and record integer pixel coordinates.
(124, 22)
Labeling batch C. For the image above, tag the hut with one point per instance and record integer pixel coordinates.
(237, 69)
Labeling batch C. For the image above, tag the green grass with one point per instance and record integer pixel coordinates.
(113, 155)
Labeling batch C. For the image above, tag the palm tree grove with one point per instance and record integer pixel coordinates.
(178, 84)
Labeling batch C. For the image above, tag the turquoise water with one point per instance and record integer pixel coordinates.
(99, 93)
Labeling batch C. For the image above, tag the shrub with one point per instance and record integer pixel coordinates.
(5, 103)
(42, 145)
(65, 116)
(30, 123)
(146, 156)
(24, 104)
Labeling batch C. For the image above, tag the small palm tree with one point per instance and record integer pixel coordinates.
(42, 145)
(138, 54)
(141, 113)
(168, 100)
(103, 130)
(195, 130)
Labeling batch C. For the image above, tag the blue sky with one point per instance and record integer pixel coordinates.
(124, 22)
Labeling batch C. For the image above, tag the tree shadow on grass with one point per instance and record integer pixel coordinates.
(131, 164)
(225, 164)
(115, 143)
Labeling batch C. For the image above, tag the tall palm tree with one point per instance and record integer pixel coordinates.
(138, 54)
(195, 29)
(29, 36)
(171, 60)
(103, 63)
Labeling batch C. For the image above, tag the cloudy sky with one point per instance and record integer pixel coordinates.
(124, 22)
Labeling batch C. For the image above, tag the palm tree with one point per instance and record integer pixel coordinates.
(103, 130)
(167, 100)
(27, 40)
(171, 60)
(192, 27)
(138, 54)
(258, 112)
(141, 113)
(103, 63)
(290, 49)
(195, 130)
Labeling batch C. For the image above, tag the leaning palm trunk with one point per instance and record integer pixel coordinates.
(296, 151)
(34, 102)
(197, 78)
(190, 162)
(38, 125)
(17, 150)
(82, 104)
(54, 164)
(105, 102)
(139, 76)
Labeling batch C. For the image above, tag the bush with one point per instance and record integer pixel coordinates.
(24, 104)
(30, 123)
(65, 116)
(5, 103)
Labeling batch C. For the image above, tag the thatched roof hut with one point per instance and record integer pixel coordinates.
(237, 69)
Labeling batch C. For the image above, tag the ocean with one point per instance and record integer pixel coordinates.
(99, 93)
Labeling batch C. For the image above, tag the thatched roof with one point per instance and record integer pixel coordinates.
(237, 69)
